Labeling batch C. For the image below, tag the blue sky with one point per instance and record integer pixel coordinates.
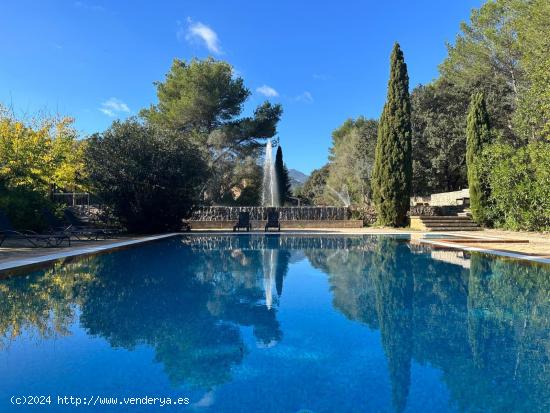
(325, 61)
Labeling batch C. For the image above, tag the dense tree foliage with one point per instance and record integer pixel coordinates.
(314, 189)
(244, 188)
(501, 52)
(478, 136)
(37, 157)
(352, 158)
(203, 100)
(532, 118)
(438, 143)
(392, 174)
(150, 176)
(283, 180)
(486, 58)
(198, 97)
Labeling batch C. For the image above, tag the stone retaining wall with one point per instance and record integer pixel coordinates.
(285, 224)
(306, 213)
(433, 211)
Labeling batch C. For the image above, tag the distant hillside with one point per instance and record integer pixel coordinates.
(297, 178)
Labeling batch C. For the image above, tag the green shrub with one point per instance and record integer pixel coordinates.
(520, 185)
(24, 208)
(149, 176)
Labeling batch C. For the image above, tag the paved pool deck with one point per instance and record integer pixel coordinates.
(17, 253)
(533, 247)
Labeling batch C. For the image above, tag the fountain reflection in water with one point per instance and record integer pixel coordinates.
(270, 261)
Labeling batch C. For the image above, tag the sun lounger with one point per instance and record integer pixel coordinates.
(7, 231)
(243, 222)
(272, 220)
(57, 226)
(86, 230)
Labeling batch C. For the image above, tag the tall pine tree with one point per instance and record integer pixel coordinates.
(283, 180)
(392, 174)
(478, 134)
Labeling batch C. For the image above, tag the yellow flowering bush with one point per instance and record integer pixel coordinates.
(41, 156)
(35, 157)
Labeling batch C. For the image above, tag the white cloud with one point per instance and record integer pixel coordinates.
(197, 31)
(305, 97)
(267, 91)
(114, 107)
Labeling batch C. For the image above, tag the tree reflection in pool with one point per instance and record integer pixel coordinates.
(363, 323)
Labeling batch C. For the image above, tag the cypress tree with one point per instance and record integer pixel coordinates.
(392, 173)
(478, 134)
(283, 180)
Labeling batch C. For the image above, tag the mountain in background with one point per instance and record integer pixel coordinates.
(297, 178)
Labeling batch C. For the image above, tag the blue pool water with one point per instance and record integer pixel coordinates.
(254, 323)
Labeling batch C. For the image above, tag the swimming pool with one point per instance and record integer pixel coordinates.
(278, 323)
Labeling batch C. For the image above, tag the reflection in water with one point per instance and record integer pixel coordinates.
(374, 284)
(187, 306)
(269, 275)
(485, 326)
(43, 303)
(393, 280)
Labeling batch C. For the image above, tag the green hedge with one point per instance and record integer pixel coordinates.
(519, 179)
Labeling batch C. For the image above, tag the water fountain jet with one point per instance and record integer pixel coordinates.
(342, 196)
(270, 187)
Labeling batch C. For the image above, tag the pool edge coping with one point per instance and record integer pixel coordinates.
(499, 253)
(48, 258)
